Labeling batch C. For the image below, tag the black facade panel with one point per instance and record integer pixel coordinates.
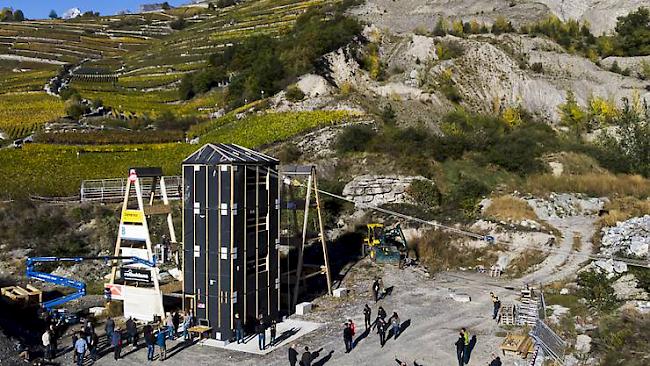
(200, 219)
(188, 230)
(213, 247)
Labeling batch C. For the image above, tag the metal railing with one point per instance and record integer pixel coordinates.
(112, 190)
(551, 344)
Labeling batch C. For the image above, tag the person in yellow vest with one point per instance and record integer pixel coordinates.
(466, 350)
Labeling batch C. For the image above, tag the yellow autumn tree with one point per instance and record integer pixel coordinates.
(573, 116)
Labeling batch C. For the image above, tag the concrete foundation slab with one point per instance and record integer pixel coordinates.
(288, 331)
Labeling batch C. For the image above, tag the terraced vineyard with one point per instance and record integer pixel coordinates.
(57, 170)
(22, 113)
(138, 61)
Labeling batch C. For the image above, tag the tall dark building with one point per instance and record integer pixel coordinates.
(230, 228)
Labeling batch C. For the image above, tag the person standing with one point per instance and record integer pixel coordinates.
(53, 340)
(74, 339)
(466, 350)
(176, 320)
(496, 361)
(116, 342)
(381, 330)
(367, 313)
(131, 332)
(161, 343)
(353, 327)
(109, 328)
(274, 330)
(149, 341)
(293, 355)
(347, 337)
(93, 344)
(239, 329)
(396, 324)
(80, 348)
(45, 338)
(306, 358)
(460, 347)
(375, 290)
(497, 307)
(382, 290)
(260, 329)
(382, 313)
(170, 326)
(187, 324)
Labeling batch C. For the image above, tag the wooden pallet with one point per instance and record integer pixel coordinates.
(507, 314)
(517, 345)
(27, 295)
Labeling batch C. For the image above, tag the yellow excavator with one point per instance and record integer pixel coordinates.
(386, 245)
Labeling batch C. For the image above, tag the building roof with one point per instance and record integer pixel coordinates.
(214, 154)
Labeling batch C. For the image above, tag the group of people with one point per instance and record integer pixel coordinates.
(260, 330)
(86, 341)
(464, 346)
(305, 359)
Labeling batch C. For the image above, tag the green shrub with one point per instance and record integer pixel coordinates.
(354, 138)
(447, 50)
(615, 68)
(645, 70)
(294, 93)
(425, 193)
(537, 67)
(622, 339)
(596, 288)
(388, 115)
(178, 23)
(465, 194)
(289, 153)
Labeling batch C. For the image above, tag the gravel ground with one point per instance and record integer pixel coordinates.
(434, 321)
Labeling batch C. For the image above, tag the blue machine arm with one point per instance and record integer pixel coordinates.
(79, 286)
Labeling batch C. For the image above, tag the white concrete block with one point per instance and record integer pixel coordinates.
(303, 308)
(460, 297)
(340, 292)
(97, 310)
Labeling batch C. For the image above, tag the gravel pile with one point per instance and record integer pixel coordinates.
(631, 237)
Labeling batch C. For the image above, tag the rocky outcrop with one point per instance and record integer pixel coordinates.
(631, 237)
(559, 205)
(407, 15)
(626, 288)
(376, 190)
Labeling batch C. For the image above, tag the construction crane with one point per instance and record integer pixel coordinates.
(78, 286)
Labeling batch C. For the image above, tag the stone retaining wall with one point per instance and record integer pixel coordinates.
(376, 190)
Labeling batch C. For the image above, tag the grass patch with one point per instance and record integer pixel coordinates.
(623, 338)
(436, 250)
(569, 301)
(523, 263)
(510, 208)
(592, 184)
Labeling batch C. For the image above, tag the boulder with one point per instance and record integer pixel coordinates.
(583, 343)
